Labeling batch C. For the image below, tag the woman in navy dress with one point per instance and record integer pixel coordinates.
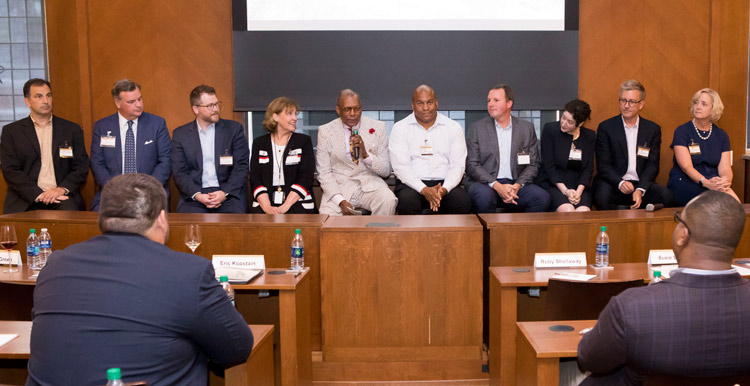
(568, 159)
(701, 151)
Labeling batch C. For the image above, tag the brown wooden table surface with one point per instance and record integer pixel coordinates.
(540, 350)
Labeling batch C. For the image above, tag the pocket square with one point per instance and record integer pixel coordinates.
(149, 141)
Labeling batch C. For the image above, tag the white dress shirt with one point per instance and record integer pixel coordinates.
(631, 135)
(448, 159)
(504, 137)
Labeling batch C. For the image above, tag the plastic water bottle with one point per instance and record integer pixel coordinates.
(657, 278)
(602, 248)
(114, 377)
(32, 250)
(45, 247)
(224, 281)
(298, 251)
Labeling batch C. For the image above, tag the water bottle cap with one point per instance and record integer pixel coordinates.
(604, 229)
(44, 229)
(32, 230)
(297, 231)
(223, 279)
(657, 273)
(113, 373)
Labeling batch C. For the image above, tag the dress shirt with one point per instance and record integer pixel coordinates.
(705, 272)
(123, 134)
(504, 137)
(207, 135)
(631, 136)
(448, 158)
(46, 180)
(278, 164)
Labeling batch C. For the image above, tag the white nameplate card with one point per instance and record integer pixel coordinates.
(560, 260)
(572, 276)
(743, 271)
(239, 268)
(15, 258)
(661, 256)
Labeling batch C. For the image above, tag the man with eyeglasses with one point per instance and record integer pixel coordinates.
(352, 160)
(696, 323)
(210, 159)
(129, 141)
(627, 156)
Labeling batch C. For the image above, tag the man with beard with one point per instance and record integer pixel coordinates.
(43, 156)
(210, 158)
(129, 141)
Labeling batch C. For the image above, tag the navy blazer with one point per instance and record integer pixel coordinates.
(688, 325)
(20, 159)
(152, 149)
(187, 160)
(612, 152)
(297, 176)
(122, 300)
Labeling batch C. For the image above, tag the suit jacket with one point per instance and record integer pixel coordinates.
(689, 325)
(483, 160)
(555, 151)
(151, 148)
(338, 174)
(612, 152)
(122, 300)
(297, 175)
(20, 158)
(187, 160)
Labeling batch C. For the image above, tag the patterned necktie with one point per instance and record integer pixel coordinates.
(351, 147)
(129, 150)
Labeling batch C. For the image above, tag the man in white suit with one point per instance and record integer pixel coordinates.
(352, 160)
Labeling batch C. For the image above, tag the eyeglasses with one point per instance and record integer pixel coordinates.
(349, 110)
(629, 102)
(212, 106)
(679, 219)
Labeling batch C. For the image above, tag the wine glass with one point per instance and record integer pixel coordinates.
(193, 237)
(8, 240)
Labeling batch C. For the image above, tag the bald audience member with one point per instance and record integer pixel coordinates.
(352, 160)
(428, 156)
(694, 324)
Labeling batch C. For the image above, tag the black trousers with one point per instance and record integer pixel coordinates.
(608, 197)
(410, 201)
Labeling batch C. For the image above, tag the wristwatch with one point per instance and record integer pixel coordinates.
(700, 183)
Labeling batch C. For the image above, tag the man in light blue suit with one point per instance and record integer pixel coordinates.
(129, 141)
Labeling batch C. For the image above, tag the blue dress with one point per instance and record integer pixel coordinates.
(706, 163)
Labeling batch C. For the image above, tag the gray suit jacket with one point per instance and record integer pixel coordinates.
(338, 174)
(689, 325)
(483, 160)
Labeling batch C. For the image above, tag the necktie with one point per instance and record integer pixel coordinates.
(351, 147)
(129, 150)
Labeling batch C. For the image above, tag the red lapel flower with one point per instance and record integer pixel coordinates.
(372, 130)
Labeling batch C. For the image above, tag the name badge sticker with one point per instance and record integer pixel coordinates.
(107, 140)
(524, 159)
(575, 154)
(278, 197)
(66, 152)
(643, 151)
(695, 149)
(227, 160)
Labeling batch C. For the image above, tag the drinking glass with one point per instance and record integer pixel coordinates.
(193, 237)
(8, 240)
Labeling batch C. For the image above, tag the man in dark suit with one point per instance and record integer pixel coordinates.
(627, 156)
(130, 140)
(210, 159)
(694, 324)
(123, 299)
(503, 159)
(43, 157)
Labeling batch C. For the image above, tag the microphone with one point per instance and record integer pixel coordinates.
(653, 207)
(356, 149)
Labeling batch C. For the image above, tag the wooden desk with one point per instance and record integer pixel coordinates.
(507, 306)
(540, 350)
(256, 371)
(268, 235)
(401, 298)
(294, 353)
